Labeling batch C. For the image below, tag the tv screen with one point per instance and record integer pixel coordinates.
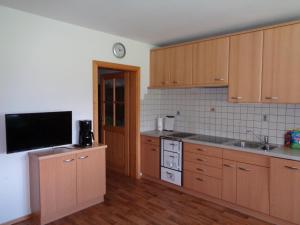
(37, 130)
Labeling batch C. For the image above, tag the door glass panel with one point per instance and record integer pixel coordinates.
(120, 114)
(109, 96)
(109, 115)
(120, 90)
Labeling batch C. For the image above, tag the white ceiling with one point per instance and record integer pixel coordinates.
(161, 22)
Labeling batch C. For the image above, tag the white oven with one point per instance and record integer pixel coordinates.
(171, 161)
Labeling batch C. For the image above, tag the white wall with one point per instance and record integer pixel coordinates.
(46, 65)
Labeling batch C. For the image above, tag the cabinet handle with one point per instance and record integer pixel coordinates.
(199, 169)
(149, 140)
(237, 98)
(199, 179)
(68, 160)
(174, 82)
(271, 98)
(153, 149)
(227, 165)
(201, 160)
(200, 149)
(163, 82)
(244, 169)
(292, 168)
(83, 157)
(219, 79)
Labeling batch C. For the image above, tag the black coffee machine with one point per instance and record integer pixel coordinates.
(86, 136)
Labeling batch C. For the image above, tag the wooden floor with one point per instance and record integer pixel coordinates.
(143, 202)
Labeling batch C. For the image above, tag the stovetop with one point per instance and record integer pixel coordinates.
(181, 135)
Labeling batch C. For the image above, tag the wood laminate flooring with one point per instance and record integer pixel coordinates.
(142, 202)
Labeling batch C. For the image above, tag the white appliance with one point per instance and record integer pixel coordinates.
(169, 123)
(171, 161)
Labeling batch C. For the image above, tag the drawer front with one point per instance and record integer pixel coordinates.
(203, 159)
(150, 140)
(248, 158)
(171, 176)
(203, 169)
(203, 150)
(204, 184)
(172, 146)
(171, 160)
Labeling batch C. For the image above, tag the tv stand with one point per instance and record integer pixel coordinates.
(64, 180)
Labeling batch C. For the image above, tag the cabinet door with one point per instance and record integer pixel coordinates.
(58, 186)
(181, 65)
(210, 62)
(229, 181)
(281, 59)
(160, 67)
(245, 67)
(284, 190)
(253, 187)
(150, 160)
(91, 177)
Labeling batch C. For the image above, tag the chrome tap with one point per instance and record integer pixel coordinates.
(264, 141)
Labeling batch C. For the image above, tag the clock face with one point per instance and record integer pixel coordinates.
(119, 50)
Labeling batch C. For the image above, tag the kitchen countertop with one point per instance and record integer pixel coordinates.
(279, 152)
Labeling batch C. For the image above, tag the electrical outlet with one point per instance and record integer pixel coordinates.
(265, 117)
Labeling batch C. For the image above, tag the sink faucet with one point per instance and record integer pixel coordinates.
(264, 141)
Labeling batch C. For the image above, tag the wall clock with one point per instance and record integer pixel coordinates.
(119, 50)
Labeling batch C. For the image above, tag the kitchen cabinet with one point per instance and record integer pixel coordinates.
(229, 181)
(245, 67)
(281, 57)
(91, 176)
(284, 190)
(63, 182)
(160, 67)
(253, 187)
(171, 67)
(150, 153)
(210, 62)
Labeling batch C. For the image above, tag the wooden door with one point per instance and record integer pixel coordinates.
(160, 68)
(284, 190)
(58, 186)
(115, 122)
(181, 65)
(281, 57)
(91, 177)
(150, 160)
(229, 181)
(253, 187)
(210, 62)
(245, 67)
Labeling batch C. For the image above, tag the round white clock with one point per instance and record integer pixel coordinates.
(119, 50)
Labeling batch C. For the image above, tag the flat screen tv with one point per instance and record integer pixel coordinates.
(29, 131)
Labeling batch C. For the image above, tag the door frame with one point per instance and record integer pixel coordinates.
(134, 111)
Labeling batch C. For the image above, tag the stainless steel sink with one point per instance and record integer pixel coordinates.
(247, 144)
(254, 145)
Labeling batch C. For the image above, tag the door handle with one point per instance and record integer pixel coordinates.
(237, 98)
(271, 98)
(227, 165)
(83, 157)
(199, 179)
(292, 168)
(219, 79)
(244, 169)
(68, 160)
(199, 169)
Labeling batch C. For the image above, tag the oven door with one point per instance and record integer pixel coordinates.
(172, 160)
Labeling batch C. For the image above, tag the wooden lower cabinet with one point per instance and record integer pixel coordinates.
(150, 153)
(285, 190)
(253, 187)
(229, 181)
(63, 182)
(201, 183)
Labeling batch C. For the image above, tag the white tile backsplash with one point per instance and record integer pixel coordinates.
(206, 111)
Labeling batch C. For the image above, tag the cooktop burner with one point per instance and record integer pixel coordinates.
(181, 135)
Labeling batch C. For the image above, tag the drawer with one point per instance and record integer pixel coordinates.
(203, 169)
(249, 158)
(203, 150)
(150, 140)
(203, 159)
(201, 183)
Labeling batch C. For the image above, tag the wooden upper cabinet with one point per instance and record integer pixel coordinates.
(253, 187)
(245, 67)
(160, 67)
(281, 60)
(181, 65)
(284, 190)
(210, 62)
(91, 178)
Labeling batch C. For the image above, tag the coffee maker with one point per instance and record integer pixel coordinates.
(86, 136)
